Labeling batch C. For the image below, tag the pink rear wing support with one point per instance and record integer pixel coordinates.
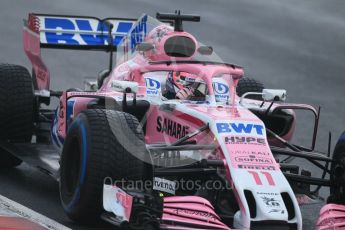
(32, 48)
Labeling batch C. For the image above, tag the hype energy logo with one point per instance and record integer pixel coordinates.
(81, 31)
(221, 90)
(153, 87)
(240, 128)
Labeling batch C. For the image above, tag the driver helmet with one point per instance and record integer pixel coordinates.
(185, 83)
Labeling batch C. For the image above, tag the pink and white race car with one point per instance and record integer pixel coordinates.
(170, 138)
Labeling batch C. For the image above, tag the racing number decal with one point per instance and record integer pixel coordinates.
(257, 179)
(269, 178)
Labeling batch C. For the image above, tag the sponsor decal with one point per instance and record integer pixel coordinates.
(240, 128)
(256, 167)
(276, 210)
(220, 88)
(253, 159)
(244, 140)
(268, 193)
(152, 87)
(247, 159)
(270, 201)
(164, 185)
(171, 128)
(246, 153)
(94, 32)
(273, 204)
(221, 91)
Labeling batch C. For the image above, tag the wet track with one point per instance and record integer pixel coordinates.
(291, 44)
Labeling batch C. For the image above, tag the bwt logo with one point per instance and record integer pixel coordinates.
(240, 128)
(152, 87)
(220, 88)
(152, 84)
(71, 27)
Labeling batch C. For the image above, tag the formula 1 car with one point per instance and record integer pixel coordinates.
(171, 138)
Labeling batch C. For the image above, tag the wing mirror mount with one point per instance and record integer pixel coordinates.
(268, 95)
(125, 86)
(274, 94)
(145, 46)
(205, 50)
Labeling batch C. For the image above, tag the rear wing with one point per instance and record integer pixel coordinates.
(69, 32)
(78, 32)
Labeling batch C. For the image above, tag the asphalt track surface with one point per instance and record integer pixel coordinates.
(291, 44)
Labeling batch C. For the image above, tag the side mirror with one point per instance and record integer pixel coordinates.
(143, 47)
(274, 94)
(205, 50)
(268, 95)
(125, 86)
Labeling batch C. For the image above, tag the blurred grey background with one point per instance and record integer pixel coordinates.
(291, 44)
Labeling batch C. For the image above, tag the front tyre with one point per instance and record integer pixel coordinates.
(337, 189)
(100, 144)
(246, 85)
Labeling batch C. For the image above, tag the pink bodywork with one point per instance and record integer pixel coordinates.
(332, 216)
(194, 210)
(32, 48)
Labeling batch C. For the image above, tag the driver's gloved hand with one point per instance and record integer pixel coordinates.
(183, 94)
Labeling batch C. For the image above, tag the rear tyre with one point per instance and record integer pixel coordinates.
(93, 152)
(246, 85)
(16, 109)
(337, 189)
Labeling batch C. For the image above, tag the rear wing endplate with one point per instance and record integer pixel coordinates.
(69, 32)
